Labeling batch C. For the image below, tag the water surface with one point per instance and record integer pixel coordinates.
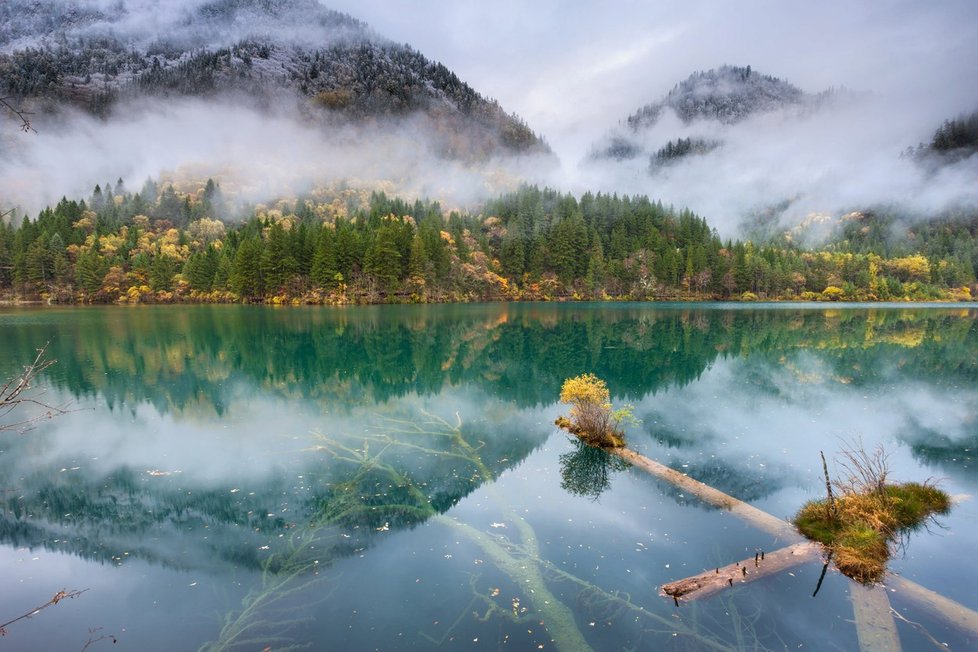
(389, 477)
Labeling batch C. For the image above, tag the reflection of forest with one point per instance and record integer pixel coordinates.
(192, 357)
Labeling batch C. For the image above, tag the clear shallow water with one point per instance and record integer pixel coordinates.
(389, 477)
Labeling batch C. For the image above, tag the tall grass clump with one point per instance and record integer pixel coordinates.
(862, 524)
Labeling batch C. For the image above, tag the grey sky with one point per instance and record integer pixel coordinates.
(573, 68)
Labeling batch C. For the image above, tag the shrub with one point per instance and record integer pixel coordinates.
(591, 416)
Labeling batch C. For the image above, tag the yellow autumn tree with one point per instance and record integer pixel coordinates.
(591, 416)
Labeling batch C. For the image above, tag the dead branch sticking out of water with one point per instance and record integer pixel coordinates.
(15, 394)
(63, 594)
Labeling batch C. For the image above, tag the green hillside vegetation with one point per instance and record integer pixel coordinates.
(345, 246)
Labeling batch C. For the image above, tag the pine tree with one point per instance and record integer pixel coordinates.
(246, 273)
(419, 267)
(278, 264)
(324, 262)
(90, 270)
(383, 260)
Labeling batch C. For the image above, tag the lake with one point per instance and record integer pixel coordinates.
(389, 477)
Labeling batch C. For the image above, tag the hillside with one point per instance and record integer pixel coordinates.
(343, 246)
(955, 140)
(725, 95)
(269, 54)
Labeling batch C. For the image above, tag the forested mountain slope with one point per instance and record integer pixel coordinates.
(265, 53)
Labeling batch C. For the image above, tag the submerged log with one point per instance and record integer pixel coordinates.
(953, 613)
(875, 628)
(711, 582)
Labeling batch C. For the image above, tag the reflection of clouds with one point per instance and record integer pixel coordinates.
(261, 435)
(208, 491)
(775, 435)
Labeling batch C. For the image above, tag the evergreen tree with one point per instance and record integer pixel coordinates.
(90, 270)
(278, 264)
(246, 274)
(383, 259)
(324, 262)
(419, 267)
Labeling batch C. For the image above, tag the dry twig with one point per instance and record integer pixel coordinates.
(23, 116)
(14, 393)
(58, 597)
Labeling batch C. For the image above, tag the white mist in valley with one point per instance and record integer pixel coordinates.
(256, 156)
(907, 68)
(847, 155)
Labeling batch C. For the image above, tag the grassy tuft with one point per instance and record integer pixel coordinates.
(862, 526)
(912, 503)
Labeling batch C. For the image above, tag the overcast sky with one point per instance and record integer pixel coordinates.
(574, 68)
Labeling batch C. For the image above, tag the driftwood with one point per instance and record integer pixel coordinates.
(948, 610)
(711, 582)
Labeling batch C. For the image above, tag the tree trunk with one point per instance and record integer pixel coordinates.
(711, 582)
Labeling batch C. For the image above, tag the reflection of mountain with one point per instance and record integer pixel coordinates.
(186, 358)
(127, 515)
(169, 519)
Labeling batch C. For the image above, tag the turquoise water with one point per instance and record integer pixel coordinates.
(234, 477)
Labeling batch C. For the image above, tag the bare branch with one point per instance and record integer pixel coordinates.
(15, 393)
(863, 471)
(58, 597)
(93, 639)
(23, 116)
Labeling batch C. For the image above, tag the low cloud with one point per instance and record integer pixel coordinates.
(842, 157)
(257, 156)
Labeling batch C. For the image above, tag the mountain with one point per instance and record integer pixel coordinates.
(270, 54)
(724, 96)
(727, 94)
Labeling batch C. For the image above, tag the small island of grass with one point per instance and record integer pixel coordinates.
(591, 417)
(860, 525)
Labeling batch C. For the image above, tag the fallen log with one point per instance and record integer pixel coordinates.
(937, 605)
(872, 613)
(756, 517)
(711, 582)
